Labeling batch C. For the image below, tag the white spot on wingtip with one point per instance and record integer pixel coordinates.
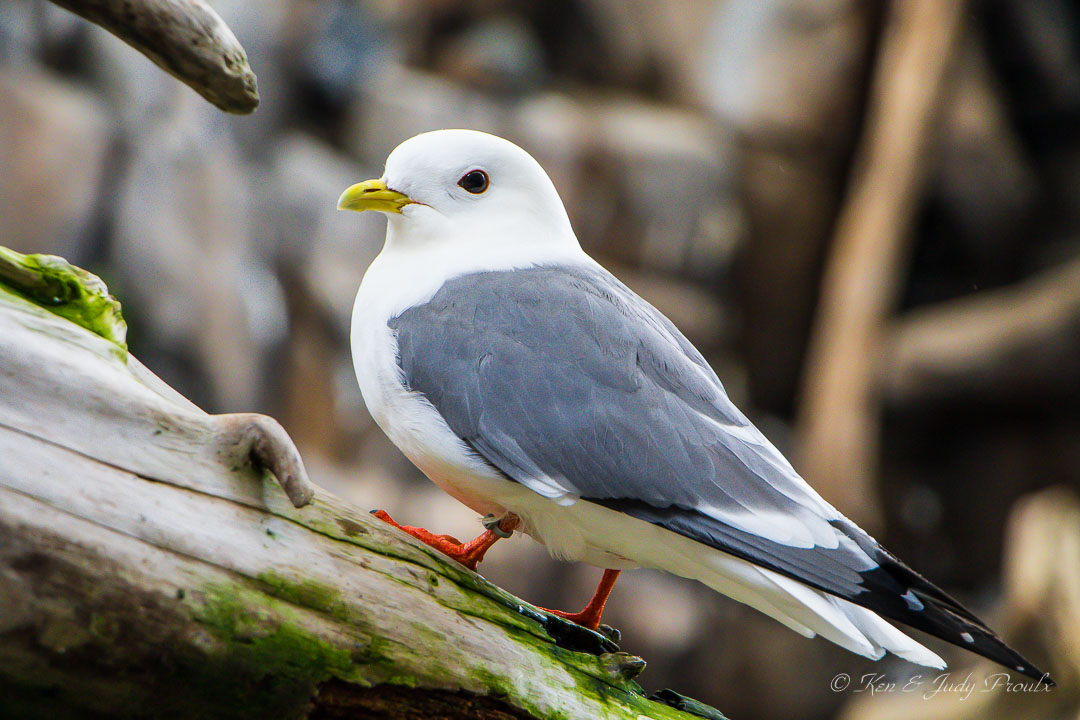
(913, 602)
(1021, 668)
(967, 637)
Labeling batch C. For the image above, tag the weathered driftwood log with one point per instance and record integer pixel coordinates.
(186, 39)
(148, 568)
(839, 415)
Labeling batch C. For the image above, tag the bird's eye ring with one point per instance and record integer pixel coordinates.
(474, 181)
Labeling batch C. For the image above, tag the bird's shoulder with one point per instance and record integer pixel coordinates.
(579, 313)
(566, 365)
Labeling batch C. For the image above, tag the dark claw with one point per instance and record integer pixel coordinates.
(625, 665)
(689, 705)
(571, 636)
(610, 633)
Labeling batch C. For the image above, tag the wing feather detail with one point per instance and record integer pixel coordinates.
(570, 384)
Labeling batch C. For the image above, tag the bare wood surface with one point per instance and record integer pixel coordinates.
(998, 344)
(148, 568)
(186, 39)
(838, 414)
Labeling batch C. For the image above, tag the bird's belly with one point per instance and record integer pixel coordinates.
(484, 493)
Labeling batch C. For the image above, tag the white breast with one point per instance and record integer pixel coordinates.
(407, 418)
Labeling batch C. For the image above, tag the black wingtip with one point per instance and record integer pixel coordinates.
(916, 602)
(1036, 674)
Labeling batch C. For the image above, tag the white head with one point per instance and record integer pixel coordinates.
(464, 189)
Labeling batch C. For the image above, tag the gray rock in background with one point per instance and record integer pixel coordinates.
(787, 77)
(326, 253)
(784, 68)
(183, 249)
(20, 31)
(328, 249)
(54, 144)
(400, 102)
(671, 164)
(498, 54)
(135, 89)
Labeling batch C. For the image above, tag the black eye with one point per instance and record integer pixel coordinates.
(474, 181)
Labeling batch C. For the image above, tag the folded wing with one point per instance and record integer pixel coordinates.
(572, 385)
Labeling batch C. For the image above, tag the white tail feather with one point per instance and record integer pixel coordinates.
(809, 611)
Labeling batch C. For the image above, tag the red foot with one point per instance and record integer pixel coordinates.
(468, 554)
(589, 617)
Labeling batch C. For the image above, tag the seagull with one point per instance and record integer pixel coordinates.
(533, 386)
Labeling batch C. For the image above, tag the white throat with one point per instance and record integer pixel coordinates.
(422, 252)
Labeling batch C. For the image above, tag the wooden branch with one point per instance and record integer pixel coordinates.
(1006, 343)
(186, 39)
(149, 568)
(838, 416)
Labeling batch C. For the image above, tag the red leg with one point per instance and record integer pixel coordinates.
(590, 616)
(468, 554)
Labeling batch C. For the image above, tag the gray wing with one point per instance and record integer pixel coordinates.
(572, 385)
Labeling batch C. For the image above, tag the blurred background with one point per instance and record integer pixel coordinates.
(865, 214)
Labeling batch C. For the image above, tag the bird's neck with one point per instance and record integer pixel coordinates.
(409, 272)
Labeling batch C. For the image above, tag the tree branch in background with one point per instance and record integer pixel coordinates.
(1001, 344)
(186, 39)
(839, 414)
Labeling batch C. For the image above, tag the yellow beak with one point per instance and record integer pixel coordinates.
(373, 195)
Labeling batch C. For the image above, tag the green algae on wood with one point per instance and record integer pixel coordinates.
(606, 678)
(65, 290)
(198, 622)
(261, 660)
(305, 593)
(688, 705)
(260, 642)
